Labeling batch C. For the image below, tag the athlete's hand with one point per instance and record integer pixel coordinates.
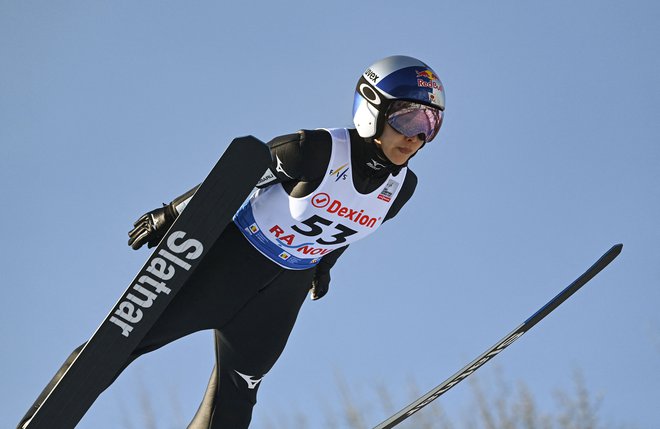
(151, 227)
(320, 285)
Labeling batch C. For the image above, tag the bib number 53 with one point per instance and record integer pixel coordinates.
(316, 226)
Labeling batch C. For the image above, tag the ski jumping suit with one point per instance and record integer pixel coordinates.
(254, 279)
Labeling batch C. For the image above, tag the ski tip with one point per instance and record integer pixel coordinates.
(611, 254)
(616, 249)
(248, 140)
(259, 151)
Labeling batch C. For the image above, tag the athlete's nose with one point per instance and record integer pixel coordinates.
(415, 139)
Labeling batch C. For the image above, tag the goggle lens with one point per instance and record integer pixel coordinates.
(414, 119)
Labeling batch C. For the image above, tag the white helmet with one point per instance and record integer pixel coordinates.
(395, 78)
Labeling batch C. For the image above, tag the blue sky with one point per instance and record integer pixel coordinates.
(549, 155)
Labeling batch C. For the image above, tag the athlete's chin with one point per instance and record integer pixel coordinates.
(400, 157)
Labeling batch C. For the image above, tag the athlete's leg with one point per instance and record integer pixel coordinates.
(228, 277)
(222, 283)
(247, 347)
(204, 414)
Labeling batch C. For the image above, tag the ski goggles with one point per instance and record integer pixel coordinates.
(414, 119)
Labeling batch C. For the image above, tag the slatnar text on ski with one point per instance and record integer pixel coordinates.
(161, 269)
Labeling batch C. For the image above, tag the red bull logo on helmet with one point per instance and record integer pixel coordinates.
(428, 79)
(428, 74)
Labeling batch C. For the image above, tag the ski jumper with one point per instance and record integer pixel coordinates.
(250, 286)
(324, 203)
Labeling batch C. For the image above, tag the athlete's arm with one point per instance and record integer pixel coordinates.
(152, 226)
(299, 161)
(321, 281)
(286, 154)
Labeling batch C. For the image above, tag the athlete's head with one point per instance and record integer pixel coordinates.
(402, 93)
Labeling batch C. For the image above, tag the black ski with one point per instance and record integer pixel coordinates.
(165, 272)
(504, 342)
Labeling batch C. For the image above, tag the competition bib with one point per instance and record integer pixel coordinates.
(296, 232)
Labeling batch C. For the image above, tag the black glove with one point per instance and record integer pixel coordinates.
(320, 284)
(152, 226)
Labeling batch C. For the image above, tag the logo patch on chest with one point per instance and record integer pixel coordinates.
(388, 191)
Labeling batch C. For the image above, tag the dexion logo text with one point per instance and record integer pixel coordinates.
(323, 200)
(160, 269)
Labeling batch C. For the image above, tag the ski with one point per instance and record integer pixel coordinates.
(166, 271)
(466, 371)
